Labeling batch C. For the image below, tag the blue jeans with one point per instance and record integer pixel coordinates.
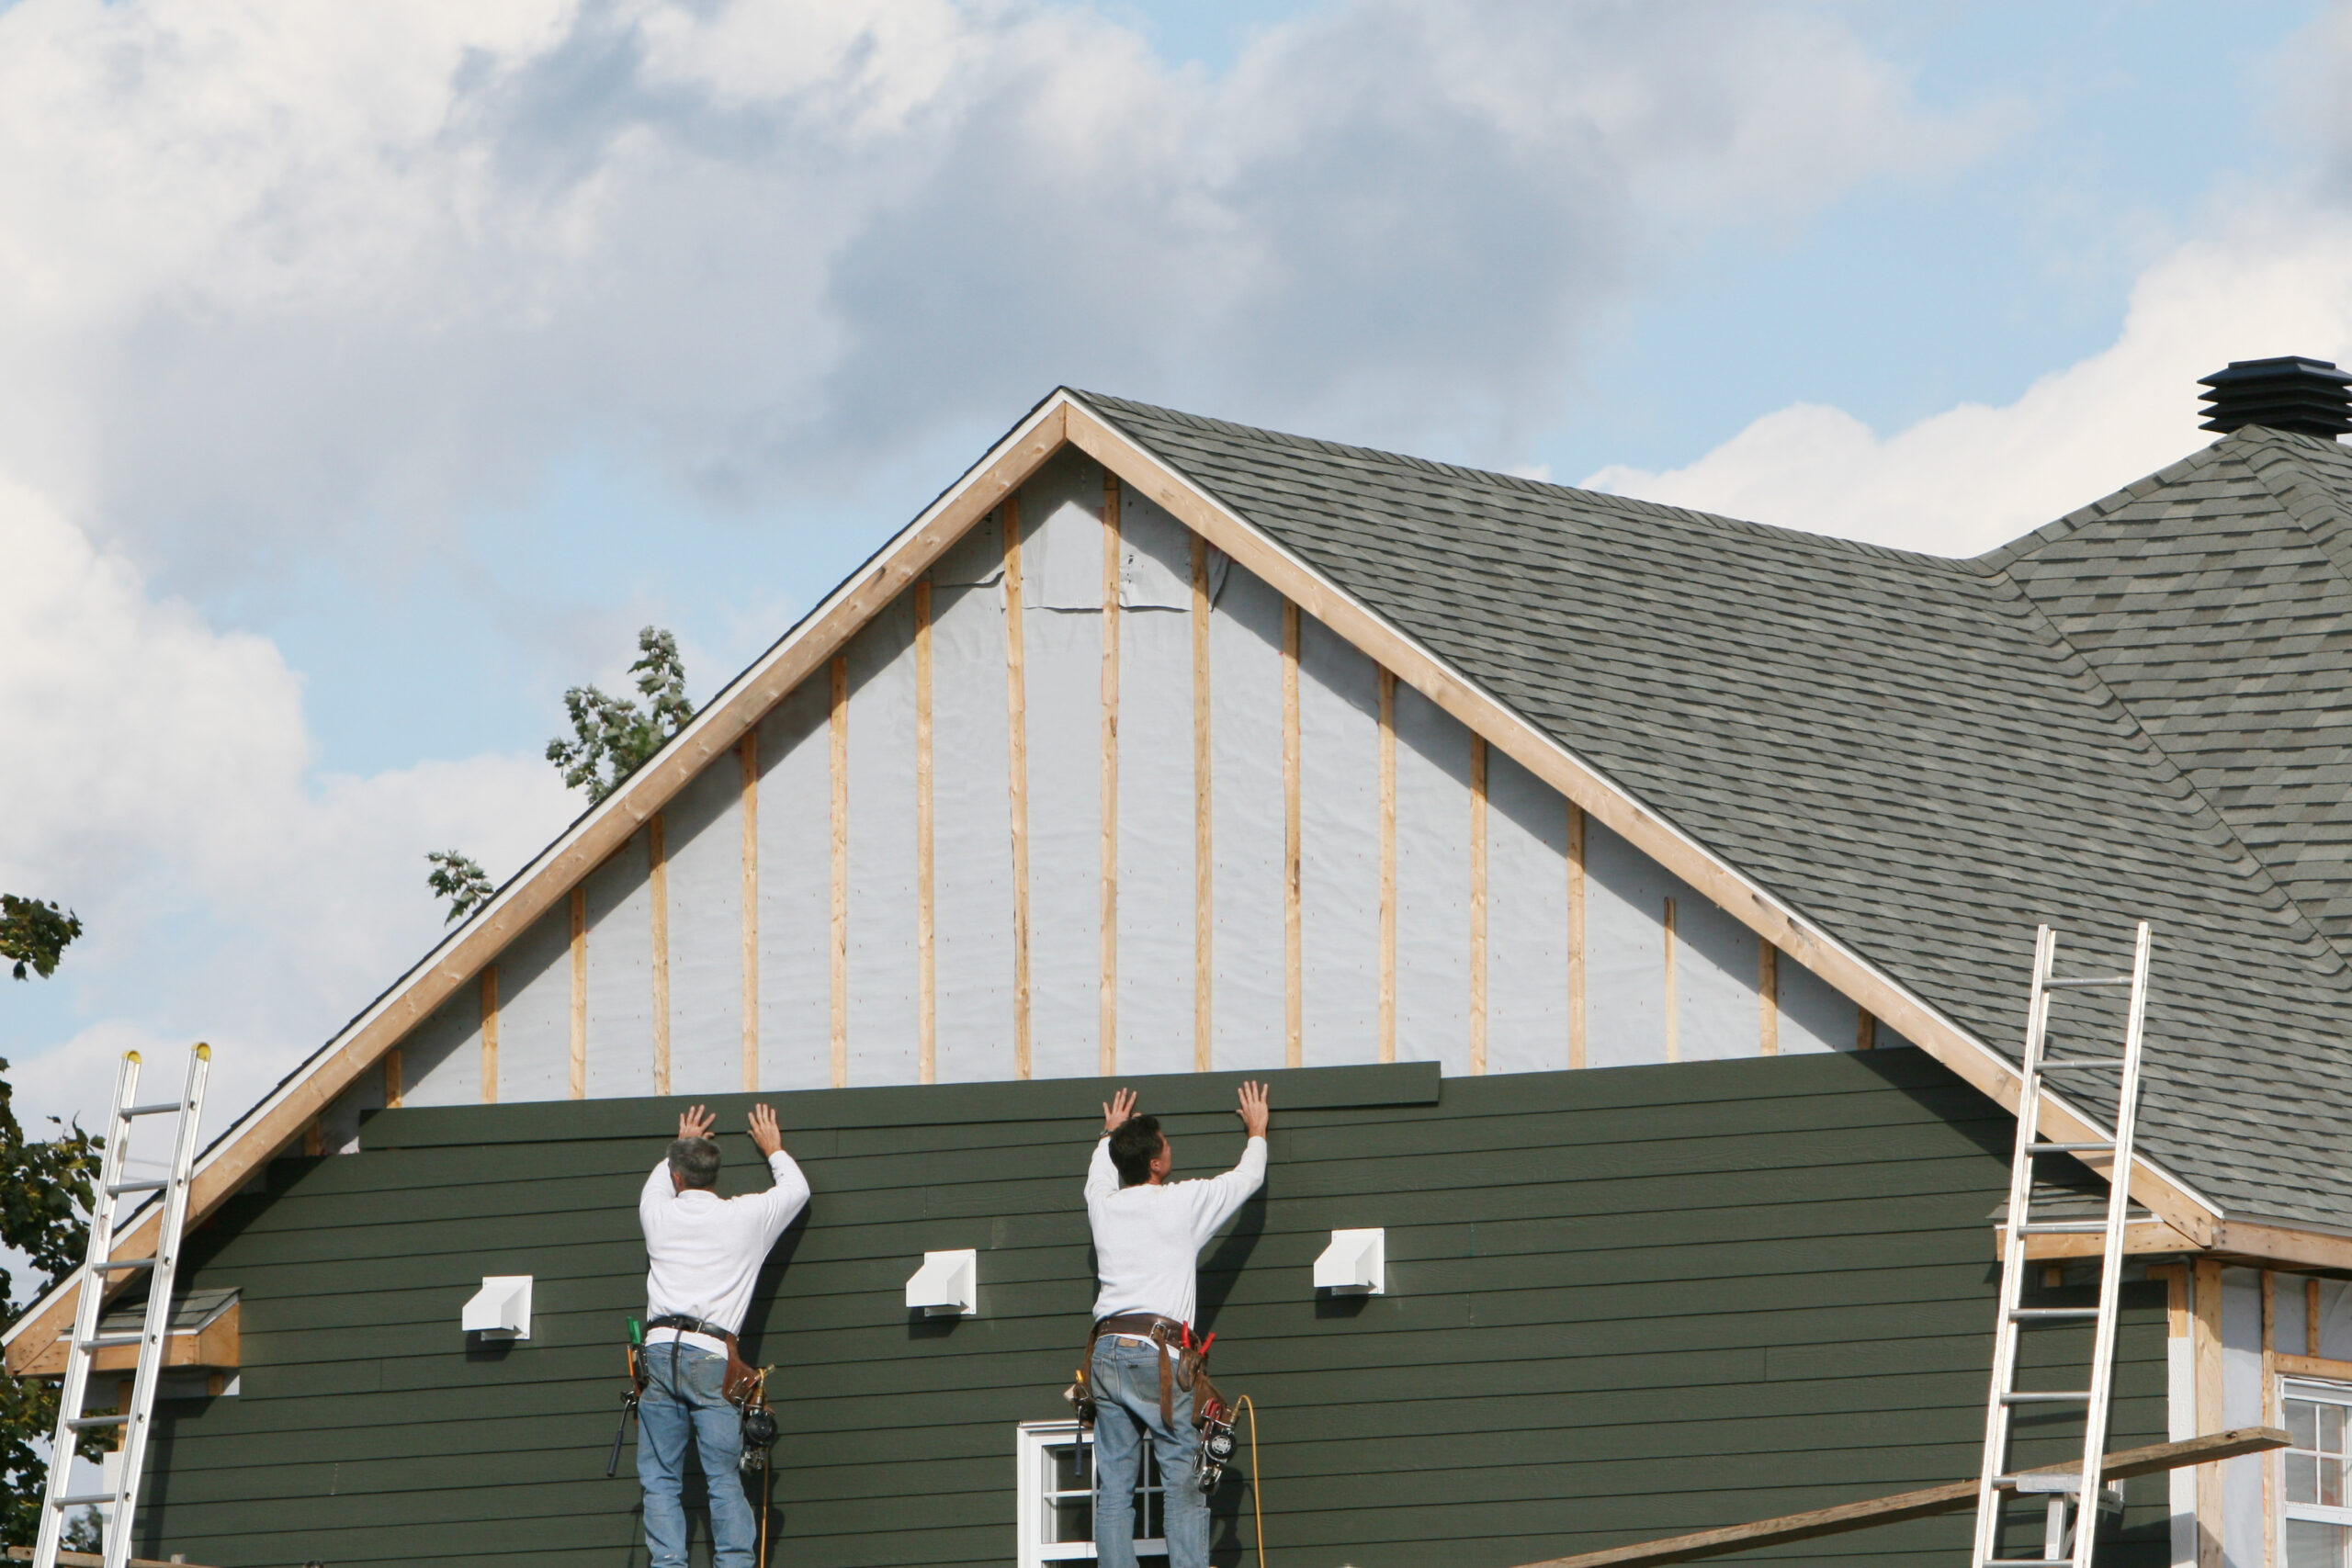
(681, 1398)
(1125, 1376)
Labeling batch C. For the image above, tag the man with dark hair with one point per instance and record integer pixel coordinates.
(703, 1252)
(1149, 1233)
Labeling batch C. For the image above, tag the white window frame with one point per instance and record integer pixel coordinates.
(2321, 1391)
(1034, 1551)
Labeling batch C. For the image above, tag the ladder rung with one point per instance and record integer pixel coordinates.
(2062, 1227)
(85, 1422)
(2078, 1064)
(2049, 1315)
(2043, 1482)
(2026, 1563)
(2048, 1396)
(119, 1188)
(160, 1108)
(107, 1341)
(2102, 1145)
(126, 1263)
(2055, 984)
(83, 1499)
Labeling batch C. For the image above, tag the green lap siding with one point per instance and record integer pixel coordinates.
(1621, 1303)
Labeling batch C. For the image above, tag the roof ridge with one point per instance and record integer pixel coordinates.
(2274, 464)
(1108, 404)
(1998, 557)
(2315, 940)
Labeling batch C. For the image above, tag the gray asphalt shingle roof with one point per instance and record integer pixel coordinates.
(2142, 711)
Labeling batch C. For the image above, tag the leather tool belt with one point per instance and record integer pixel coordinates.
(742, 1379)
(1186, 1369)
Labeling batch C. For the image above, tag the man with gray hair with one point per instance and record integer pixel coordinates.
(703, 1252)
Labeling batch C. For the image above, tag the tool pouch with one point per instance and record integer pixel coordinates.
(742, 1380)
(1192, 1375)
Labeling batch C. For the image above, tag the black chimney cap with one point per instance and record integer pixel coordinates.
(2286, 393)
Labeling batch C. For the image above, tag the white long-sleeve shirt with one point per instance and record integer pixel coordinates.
(703, 1251)
(1148, 1239)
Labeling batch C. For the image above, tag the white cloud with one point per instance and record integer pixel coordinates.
(2277, 280)
(277, 278)
(159, 780)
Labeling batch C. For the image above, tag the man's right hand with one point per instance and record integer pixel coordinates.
(764, 1136)
(695, 1123)
(1252, 1110)
(1114, 1115)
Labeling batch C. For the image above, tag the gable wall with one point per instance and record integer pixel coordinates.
(841, 958)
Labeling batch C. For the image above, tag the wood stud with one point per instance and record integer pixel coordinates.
(747, 752)
(394, 1087)
(1478, 905)
(1017, 713)
(838, 769)
(2270, 1417)
(926, 926)
(579, 993)
(1865, 1029)
(1768, 998)
(658, 882)
(1293, 978)
(2310, 1317)
(1111, 564)
(490, 1035)
(1672, 1012)
(1204, 865)
(2206, 1356)
(1387, 866)
(1576, 936)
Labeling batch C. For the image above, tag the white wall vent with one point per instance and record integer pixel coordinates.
(1356, 1263)
(947, 1285)
(501, 1308)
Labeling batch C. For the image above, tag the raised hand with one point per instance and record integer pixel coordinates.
(696, 1123)
(764, 1136)
(1252, 1110)
(1114, 1115)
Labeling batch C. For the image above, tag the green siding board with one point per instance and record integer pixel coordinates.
(1624, 1303)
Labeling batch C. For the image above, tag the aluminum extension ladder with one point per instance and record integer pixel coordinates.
(2080, 1489)
(121, 1495)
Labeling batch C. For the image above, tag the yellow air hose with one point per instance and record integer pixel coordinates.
(1256, 1508)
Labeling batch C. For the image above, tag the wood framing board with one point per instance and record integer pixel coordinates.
(1768, 999)
(1576, 980)
(1950, 1498)
(489, 1036)
(1477, 906)
(926, 921)
(1387, 864)
(579, 948)
(2205, 1334)
(657, 851)
(1112, 562)
(1203, 821)
(837, 774)
(747, 752)
(1016, 699)
(1294, 958)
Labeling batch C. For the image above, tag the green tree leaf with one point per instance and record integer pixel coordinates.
(33, 934)
(612, 737)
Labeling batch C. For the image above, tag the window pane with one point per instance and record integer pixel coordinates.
(2330, 1481)
(2303, 1478)
(2313, 1545)
(1069, 1518)
(2302, 1423)
(1072, 1468)
(2331, 1429)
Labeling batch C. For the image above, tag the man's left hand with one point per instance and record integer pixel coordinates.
(696, 1123)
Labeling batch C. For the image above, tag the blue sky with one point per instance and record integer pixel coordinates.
(359, 391)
